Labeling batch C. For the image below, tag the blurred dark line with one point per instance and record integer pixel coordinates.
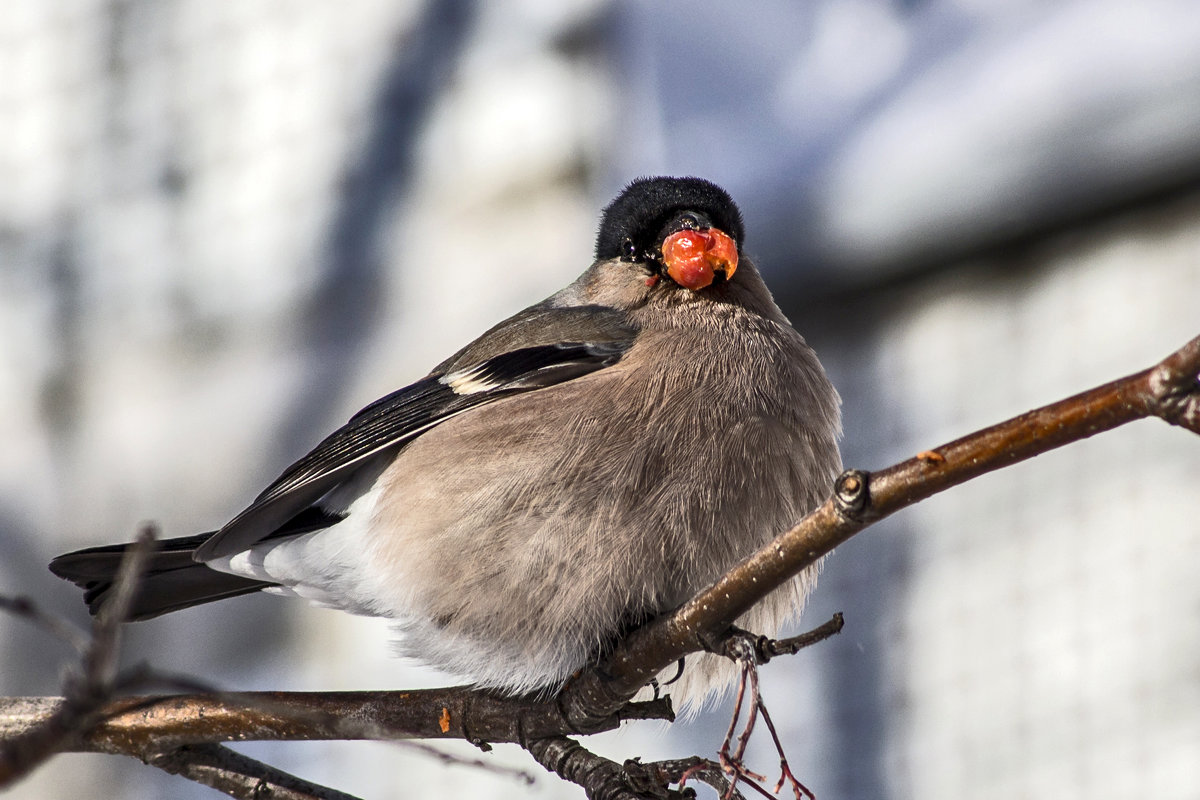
(345, 305)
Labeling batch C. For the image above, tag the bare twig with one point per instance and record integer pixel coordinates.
(733, 642)
(601, 778)
(450, 759)
(597, 699)
(785, 769)
(239, 776)
(747, 651)
(682, 770)
(24, 608)
(89, 691)
(604, 779)
(1170, 390)
(101, 659)
(86, 691)
(139, 723)
(742, 650)
(769, 648)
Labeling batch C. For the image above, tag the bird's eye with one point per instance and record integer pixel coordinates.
(628, 250)
(689, 222)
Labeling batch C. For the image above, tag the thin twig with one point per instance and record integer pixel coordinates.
(85, 691)
(785, 769)
(723, 750)
(701, 769)
(102, 658)
(24, 608)
(90, 690)
(601, 778)
(239, 776)
(1169, 390)
(741, 648)
(750, 673)
(524, 776)
(769, 648)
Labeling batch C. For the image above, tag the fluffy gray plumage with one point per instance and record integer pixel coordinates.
(585, 465)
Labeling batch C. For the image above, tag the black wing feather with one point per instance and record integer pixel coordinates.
(386, 425)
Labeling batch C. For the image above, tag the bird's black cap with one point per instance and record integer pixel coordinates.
(639, 213)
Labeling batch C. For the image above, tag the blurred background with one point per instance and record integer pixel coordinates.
(225, 227)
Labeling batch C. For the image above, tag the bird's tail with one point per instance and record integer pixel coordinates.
(172, 580)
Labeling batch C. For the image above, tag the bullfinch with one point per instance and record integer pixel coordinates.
(583, 466)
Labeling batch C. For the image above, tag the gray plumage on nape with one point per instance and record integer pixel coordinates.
(585, 465)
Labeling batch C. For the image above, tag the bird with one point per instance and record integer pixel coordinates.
(584, 466)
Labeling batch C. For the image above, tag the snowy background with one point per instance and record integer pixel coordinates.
(224, 227)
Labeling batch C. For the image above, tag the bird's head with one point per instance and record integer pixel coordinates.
(686, 229)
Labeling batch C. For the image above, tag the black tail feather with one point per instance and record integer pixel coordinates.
(172, 581)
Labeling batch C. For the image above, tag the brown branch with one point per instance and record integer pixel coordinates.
(239, 776)
(85, 691)
(601, 778)
(735, 642)
(769, 648)
(89, 692)
(604, 779)
(137, 725)
(682, 770)
(597, 699)
(749, 652)
(1170, 390)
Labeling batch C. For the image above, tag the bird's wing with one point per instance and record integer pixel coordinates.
(385, 426)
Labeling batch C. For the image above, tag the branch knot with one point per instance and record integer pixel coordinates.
(1175, 387)
(852, 493)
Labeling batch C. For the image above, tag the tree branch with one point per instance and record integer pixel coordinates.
(87, 689)
(1170, 390)
(142, 725)
(152, 728)
(239, 776)
(604, 779)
